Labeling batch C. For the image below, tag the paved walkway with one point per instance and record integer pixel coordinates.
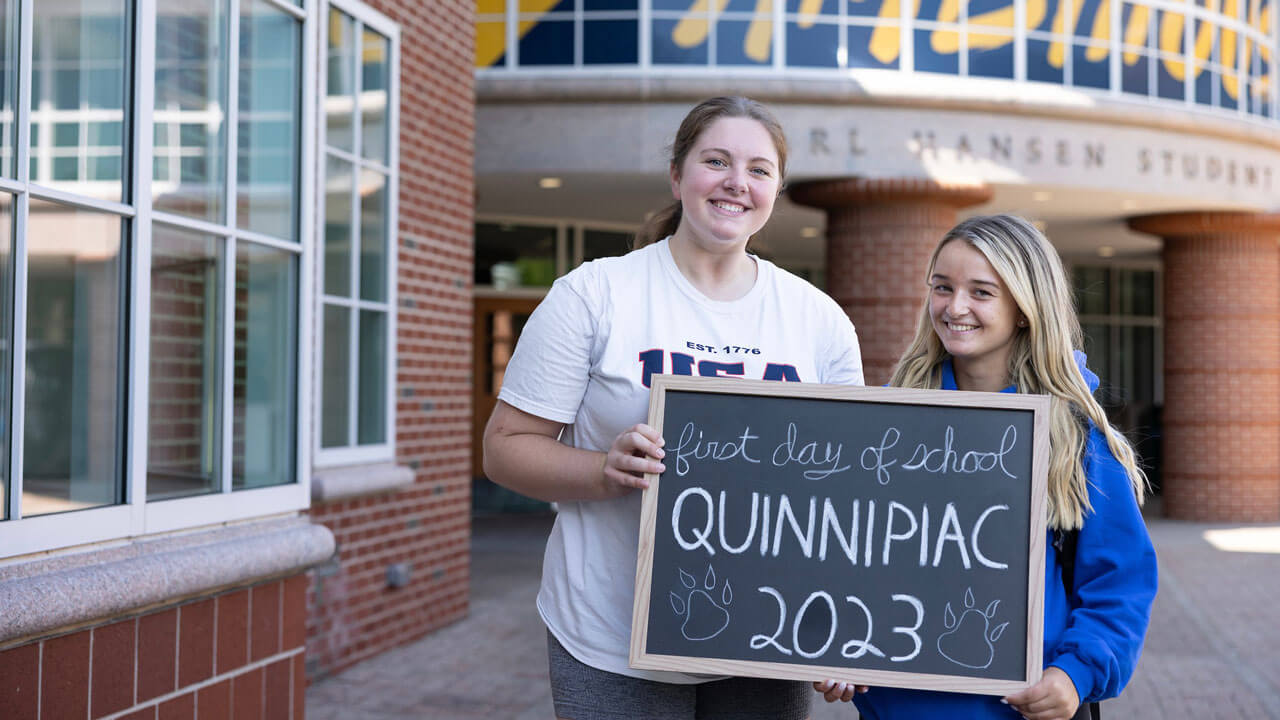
(1213, 650)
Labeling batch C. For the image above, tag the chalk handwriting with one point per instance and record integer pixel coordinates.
(812, 527)
(791, 451)
(878, 462)
(946, 459)
(692, 445)
(852, 649)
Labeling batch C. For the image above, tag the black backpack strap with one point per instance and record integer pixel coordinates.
(1064, 542)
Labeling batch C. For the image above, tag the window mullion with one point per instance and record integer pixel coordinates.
(22, 111)
(227, 282)
(17, 395)
(18, 391)
(357, 239)
(139, 338)
(321, 203)
(305, 292)
(392, 231)
(227, 275)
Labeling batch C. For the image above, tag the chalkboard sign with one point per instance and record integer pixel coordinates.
(875, 535)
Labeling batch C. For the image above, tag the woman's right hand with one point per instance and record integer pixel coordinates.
(636, 451)
(835, 691)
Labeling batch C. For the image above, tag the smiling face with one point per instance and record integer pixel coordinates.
(726, 185)
(973, 313)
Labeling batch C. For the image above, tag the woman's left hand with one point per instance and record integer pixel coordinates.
(835, 691)
(1053, 698)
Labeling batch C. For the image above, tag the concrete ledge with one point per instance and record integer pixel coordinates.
(328, 484)
(56, 594)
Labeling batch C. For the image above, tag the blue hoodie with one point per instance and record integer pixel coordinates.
(1094, 631)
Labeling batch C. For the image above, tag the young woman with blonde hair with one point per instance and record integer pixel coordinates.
(999, 317)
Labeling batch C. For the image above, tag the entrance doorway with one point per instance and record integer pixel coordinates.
(498, 321)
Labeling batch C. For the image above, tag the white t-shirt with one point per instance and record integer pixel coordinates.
(584, 359)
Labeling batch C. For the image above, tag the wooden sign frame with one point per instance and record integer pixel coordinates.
(1038, 404)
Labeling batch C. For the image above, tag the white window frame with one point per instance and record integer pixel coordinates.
(570, 238)
(353, 453)
(135, 516)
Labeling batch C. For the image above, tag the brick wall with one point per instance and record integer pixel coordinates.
(1221, 420)
(1222, 384)
(352, 613)
(880, 236)
(234, 655)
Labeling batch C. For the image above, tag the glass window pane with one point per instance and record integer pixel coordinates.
(611, 42)
(72, 416)
(515, 255)
(1093, 295)
(934, 53)
(816, 45)
(267, 152)
(548, 43)
(604, 243)
(265, 373)
(372, 389)
(668, 47)
(340, 106)
(6, 290)
(82, 66)
(184, 441)
(1097, 345)
(872, 46)
(373, 236)
(339, 177)
(8, 89)
(335, 383)
(190, 124)
(1137, 292)
(1137, 364)
(375, 78)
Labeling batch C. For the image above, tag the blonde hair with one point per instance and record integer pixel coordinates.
(1042, 360)
(665, 221)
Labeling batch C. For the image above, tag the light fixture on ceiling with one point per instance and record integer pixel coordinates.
(809, 232)
(1042, 196)
(1106, 251)
(1129, 204)
(549, 183)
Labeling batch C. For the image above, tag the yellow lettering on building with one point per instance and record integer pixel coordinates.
(1227, 52)
(886, 40)
(807, 14)
(693, 28)
(885, 44)
(1057, 49)
(1170, 41)
(946, 42)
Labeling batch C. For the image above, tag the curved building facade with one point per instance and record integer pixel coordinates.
(1144, 137)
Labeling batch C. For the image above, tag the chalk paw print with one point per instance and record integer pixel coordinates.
(969, 639)
(704, 617)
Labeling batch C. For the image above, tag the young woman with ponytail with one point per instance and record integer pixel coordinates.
(569, 428)
(999, 317)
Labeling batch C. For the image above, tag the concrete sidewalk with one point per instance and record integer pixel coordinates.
(1213, 650)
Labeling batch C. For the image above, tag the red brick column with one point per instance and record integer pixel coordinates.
(1221, 364)
(880, 235)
